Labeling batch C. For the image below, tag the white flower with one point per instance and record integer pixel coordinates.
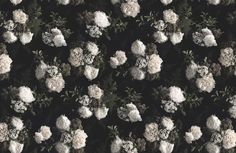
(79, 139)
(227, 57)
(5, 63)
(26, 37)
(167, 123)
(204, 38)
(206, 83)
(212, 148)
(54, 38)
(63, 2)
(17, 123)
(114, 62)
(137, 73)
(176, 94)
(101, 112)
(25, 94)
(59, 41)
(209, 41)
(95, 92)
(213, 2)
(9, 37)
(151, 132)
(19, 16)
(196, 132)
(160, 37)
(41, 70)
(232, 112)
(62, 148)
(101, 19)
(129, 113)
(46, 132)
(43, 134)
(154, 64)
(166, 2)
(138, 48)
(166, 147)
(134, 116)
(130, 8)
(92, 48)
(38, 137)
(90, 72)
(170, 16)
(15, 147)
(229, 139)
(76, 57)
(189, 138)
(191, 70)
(3, 132)
(118, 59)
(176, 37)
(133, 113)
(84, 112)
(121, 57)
(116, 145)
(15, 2)
(213, 123)
(55, 83)
(63, 123)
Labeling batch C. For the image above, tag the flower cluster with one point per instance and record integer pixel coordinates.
(11, 27)
(70, 137)
(160, 132)
(96, 23)
(5, 61)
(145, 63)
(12, 133)
(204, 79)
(92, 103)
(172, 98)
(204, 38)
(51, 75)
(164, 28)
(54, 38)
(22, 99)
(86, 58)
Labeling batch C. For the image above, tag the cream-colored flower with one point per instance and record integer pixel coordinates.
(79, 139)
(170, 16)
(19, 16)
(5, 63)
(95, 92)
(154, 64)
(130, 8)
(229, 139)
(63, 123)
(101, 19)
